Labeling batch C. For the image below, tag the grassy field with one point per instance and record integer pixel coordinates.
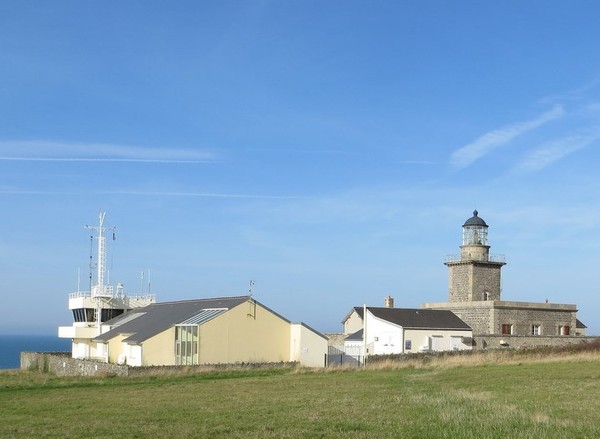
(495, 395)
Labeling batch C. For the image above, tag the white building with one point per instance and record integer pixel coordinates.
(389, 330)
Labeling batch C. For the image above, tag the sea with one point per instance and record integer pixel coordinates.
(11, 347)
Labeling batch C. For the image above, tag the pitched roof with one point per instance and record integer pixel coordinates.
(417, 318)
(142, 323)
(580, 324)
(357, 309)
(420, 318)
(357, 336)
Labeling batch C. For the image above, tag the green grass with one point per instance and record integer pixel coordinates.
(527, 398)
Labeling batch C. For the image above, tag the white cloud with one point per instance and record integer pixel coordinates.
(550, 152)
(15, 191)
(203, 195)
(578, 94)
(485, 144)
(27, 150)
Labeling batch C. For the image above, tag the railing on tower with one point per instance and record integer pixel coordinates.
(491, 258)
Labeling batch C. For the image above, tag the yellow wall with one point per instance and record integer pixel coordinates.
(307, 347)
(160, 349)
(353, 323)
(246, 333)
(116, 347)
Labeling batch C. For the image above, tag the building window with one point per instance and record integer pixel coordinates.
(486, 295)
(507, 329)
(564, 330)
(536, 329)
(186, 345)
(408, 345)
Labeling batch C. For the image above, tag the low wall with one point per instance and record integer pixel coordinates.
(533, 341)
(61, 364)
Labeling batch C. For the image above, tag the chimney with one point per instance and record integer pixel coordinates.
(389, 302)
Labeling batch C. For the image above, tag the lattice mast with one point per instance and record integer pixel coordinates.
(101, 290)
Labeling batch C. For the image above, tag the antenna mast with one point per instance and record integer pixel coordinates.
(100, 289)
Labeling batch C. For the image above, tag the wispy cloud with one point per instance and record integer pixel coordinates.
(579, 94)
(485, 144)
(296, 151)
(27, 150)
(551, 152)
(416, 162)
(204, 195)
(150, 193)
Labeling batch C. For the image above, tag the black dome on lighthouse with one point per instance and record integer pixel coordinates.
(475, 221)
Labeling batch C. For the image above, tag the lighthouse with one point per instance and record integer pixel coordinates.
(474, 295)
(475, 274)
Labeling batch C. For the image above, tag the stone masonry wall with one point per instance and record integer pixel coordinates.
(485, 278)
(479, 319)
(459, 282)
(467, 281)
(61, 364)
(518, 341)
(487, 317)
(523, 319)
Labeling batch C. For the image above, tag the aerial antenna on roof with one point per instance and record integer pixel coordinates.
(100, 289)
(250, 289)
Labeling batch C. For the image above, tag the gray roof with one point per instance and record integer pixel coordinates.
(475, 220)
(358, 336)
(580, 324)
(417, 318)
(158, 317)
(203, 316)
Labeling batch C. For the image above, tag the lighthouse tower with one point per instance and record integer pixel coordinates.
(474, 275)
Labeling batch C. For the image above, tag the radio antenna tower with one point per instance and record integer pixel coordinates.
(100, 289)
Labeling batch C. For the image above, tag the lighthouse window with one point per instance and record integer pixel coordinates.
(474, 236)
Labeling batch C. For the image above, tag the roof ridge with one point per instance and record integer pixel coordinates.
(205, 299)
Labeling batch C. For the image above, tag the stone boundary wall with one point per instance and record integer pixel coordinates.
(61, 364)
(534, 341)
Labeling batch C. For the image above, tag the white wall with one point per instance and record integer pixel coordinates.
(383, 337)
(80, 349)
(133, 354)
(437, 340)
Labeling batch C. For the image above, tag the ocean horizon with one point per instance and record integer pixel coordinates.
(11, 347)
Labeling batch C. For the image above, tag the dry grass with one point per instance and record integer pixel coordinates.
(573, 353)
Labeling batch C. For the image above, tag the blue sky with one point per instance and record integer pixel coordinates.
(328, 150)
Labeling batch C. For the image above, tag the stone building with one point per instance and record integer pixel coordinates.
(474, 295)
